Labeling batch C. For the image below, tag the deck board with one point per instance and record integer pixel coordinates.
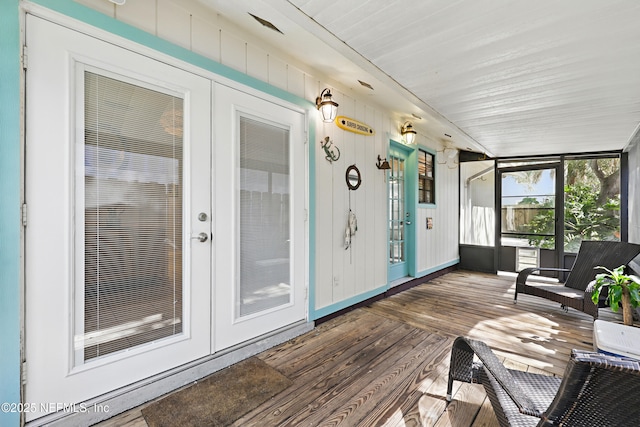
(323, 386)
(386, 364)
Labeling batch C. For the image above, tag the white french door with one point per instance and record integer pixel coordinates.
(118, 161)
(260, 250)
(150, 242)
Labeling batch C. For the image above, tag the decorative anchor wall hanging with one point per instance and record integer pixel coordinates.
(331, 151)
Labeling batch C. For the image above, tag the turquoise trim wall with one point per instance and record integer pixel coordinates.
(438, 268)
(330, 309)
(107, 23)
(324, 311)
(10, 227)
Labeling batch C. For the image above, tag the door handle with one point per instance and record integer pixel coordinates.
(202, 237)
(407, 222)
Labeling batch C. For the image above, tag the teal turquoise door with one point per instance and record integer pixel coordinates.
(400, 213)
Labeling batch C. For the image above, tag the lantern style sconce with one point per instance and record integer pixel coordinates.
(328, 108)
(408, 133)
(383, 164)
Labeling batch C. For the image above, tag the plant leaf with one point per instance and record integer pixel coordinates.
(604, 268)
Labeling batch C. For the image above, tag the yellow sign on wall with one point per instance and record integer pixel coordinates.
(354, 126)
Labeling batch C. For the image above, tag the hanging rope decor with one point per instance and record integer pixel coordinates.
(350, 229)
(354, 180)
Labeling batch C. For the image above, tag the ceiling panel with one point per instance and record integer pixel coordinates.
(520, 78)
(510, 78)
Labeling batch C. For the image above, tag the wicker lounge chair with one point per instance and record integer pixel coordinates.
(574, 291)
(596, 390)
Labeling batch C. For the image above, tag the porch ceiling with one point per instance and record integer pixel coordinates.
(503, 77)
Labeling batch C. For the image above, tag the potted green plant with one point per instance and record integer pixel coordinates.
(623, 290)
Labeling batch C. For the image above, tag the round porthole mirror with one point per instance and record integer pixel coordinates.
(353, 177)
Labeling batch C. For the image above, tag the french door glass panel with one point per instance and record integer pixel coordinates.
(264, 279)
(130, 290)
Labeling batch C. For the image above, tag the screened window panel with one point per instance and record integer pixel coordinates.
(477, 203)
(133, 195)
(264, 280)
(591, 205)
(528, 202)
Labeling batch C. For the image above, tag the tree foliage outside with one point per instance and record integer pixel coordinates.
(543, 222)
(591, 205)
(587, 218)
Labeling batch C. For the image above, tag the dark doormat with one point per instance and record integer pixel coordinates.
(219, 399)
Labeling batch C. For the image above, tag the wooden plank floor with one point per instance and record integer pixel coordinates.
(386, 364)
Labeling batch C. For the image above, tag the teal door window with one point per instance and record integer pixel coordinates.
(400, 213)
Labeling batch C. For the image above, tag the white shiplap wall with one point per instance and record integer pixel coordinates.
(341, 275)
(439, 245)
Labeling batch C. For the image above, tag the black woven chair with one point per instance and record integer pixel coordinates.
(575, 292)
(596, 390)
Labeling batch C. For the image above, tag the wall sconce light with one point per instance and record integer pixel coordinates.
(328, 108)
(382, 164)
(408, 133)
